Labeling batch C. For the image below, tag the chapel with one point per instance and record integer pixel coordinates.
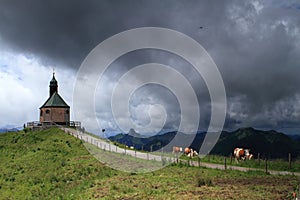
(55, 109)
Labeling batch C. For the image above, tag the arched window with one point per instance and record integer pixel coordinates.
(47, 111)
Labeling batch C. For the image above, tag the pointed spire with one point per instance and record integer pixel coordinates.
(53, 84)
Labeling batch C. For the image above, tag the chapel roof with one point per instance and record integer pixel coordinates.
(55, 101)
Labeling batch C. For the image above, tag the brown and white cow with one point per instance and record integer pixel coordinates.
(190, 152)
(187, 150)
(242, 154)
(177, 149)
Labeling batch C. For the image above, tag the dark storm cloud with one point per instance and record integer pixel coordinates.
(57, 31)
(255, 45)
(65, 31)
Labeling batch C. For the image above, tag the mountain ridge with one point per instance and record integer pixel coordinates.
(267, 143)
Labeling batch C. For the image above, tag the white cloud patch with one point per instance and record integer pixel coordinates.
(24, 87)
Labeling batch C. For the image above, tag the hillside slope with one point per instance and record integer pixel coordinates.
(46, 164)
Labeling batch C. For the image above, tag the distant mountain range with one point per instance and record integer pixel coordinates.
(10, 128)
(5, 130)
(271, 144)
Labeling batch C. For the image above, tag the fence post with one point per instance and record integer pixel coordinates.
(290, 160)
(266, 165)
(258, 157)
(147, 156)
(134, 152)
(230, 158)
(225, 165)
(299, 190)
(198, 161)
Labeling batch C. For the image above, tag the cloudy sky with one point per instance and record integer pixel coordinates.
(254, 44)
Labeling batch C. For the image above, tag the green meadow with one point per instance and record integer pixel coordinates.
(51, 164)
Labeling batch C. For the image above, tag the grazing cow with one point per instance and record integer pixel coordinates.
(177, 149)
(190, 152)
(239, 154)
(187, 150)
(242, 154)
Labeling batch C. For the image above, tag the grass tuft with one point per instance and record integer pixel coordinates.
(204, 181)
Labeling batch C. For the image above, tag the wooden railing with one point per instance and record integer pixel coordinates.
(47, 124)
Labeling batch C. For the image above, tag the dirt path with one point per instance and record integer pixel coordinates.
(105, 145)
(108, 146)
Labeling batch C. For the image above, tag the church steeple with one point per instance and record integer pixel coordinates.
(53, 85)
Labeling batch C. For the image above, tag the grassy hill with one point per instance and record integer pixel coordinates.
(46, 164)
(50, 164)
